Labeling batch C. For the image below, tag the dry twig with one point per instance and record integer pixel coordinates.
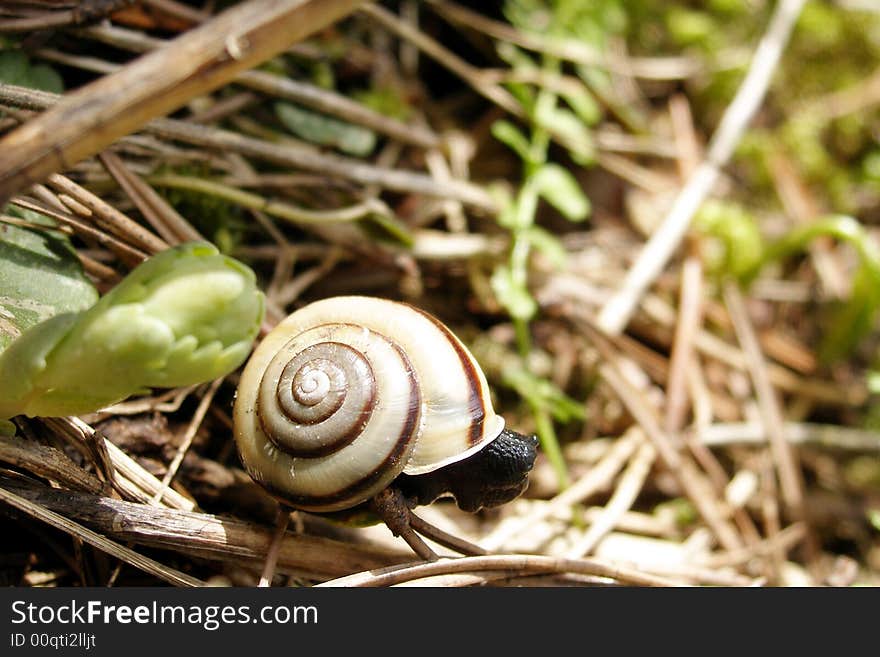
(616, 312)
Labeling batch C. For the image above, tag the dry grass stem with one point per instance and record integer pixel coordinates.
(508, 563)
(205, 536)
(628, 488)
(128, 254)
(682, 348)
(131, 557)
(285, 154)
(821, 435)
(679, 464)
(166, 221)
(108, 217)
(598, 478)
(188, 436)
(784, 455)
(197, 61)
(617, 311)
(309, 95)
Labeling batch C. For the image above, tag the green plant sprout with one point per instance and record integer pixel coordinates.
(549, 114)
(737, 246)
(182, 317)
(745, 254)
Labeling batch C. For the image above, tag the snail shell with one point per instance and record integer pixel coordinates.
(349, 392)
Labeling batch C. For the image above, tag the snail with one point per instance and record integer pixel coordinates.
(351, 397)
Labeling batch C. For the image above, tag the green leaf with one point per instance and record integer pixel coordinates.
(15, 68)
(509, 134)
(851, 321)
(507, 207)
(326, 131)
(513, 294)
(872, 378)
(46, 79)
(689, 26)
(544, 394)
(572, 130)
(560, 188)
(388, 100)
(855, 318)
(385, 226)
(738, 248)
(681, 509)
(584, 105)
(40, 277)
(518, 60)
(185, 316)
(548, 244)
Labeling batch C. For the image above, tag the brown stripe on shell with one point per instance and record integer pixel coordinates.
(476, 396)
(354, 492)
(330, 411)
(341, 441)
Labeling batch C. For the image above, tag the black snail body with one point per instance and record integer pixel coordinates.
(350, 395)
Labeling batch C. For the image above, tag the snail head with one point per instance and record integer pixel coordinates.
(495, 475)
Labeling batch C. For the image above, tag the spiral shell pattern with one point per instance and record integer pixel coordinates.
(347, 393)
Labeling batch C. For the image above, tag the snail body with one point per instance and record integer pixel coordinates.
(348, 394)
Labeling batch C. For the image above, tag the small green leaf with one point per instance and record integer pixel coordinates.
(873, 381)
(388, 100)
(518, 60)
(573, 131)
(326, 131)
(739, 246)
(512, 294)
(15, 68)
(509, 134)
(548, 244)
(689, 26)
(560, 188)
(544, 394)
(503, 197)
(584, 105)
(681, 509)
(40, 277)
(853, 320)
(386, 226)
(46, 79)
